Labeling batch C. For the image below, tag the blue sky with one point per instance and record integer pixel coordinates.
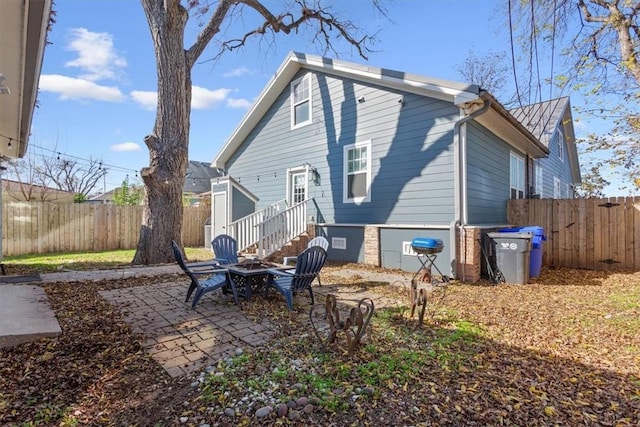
(98, 83)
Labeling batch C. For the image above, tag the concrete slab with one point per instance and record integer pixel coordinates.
(25, 315)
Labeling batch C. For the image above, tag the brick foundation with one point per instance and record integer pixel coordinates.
(372, 245)
(468, 254)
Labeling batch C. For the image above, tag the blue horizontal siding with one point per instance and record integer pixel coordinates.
(391, 245)
(411, 149)
(488, 176)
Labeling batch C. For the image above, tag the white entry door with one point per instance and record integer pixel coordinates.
(219, 219)
(297, 186)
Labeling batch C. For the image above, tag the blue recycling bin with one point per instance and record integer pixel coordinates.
(537, 237)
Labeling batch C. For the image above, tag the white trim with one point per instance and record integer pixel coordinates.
(345, 181)
(538, 177)
(407, 249)
(339, 243)
(445, 90)
(455, 92)
(232, 183)
(557, 188)
(228, 195)
(308, 100)
(520, 160)
(559, 140)
(407, 226)
(298, 169)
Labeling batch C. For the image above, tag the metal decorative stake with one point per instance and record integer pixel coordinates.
(353, 327)
(418, 298)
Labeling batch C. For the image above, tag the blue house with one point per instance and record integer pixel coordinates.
(372, 158)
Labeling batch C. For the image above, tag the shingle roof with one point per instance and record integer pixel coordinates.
(198, 179)
(542, 118)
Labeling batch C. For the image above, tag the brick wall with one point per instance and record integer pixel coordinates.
(372, 245)
(468, 254)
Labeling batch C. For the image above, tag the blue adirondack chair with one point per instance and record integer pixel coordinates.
(308, 265)
(216, 277)
(225, 249)
(316, 241)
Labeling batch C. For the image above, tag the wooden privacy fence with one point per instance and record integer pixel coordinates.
(597, 234)
(41, 227)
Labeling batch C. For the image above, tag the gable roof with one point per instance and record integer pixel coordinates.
(198, 178)
(543, 118)
(497, 119)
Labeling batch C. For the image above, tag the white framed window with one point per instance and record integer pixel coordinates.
(538, 179)
(297, 185)
(339, 243)
(301, 102)
(357, 173)
(557, 188)
(407, 249)
(568, 193)
(516, 176)
(559, 142)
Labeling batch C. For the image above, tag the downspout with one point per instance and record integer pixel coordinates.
(460, 200)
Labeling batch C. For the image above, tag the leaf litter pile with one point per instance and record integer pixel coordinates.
(563, 350)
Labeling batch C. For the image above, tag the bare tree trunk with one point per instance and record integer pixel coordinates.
(168, 144)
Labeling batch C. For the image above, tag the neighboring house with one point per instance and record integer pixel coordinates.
(381, 157)
(19, 191)
(556, 175)
(108, 197)
(197, 184)
(23, 33)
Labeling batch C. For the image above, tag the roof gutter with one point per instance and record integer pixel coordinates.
(460, 170)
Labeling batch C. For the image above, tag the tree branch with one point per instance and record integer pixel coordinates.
(208, 32)
(287, 22)
(586, 13)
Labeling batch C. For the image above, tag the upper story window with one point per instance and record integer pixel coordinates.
(559, 142)
(517, 177)
(357, 172)
(301, 101)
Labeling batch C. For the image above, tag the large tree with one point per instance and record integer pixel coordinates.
(168, 143)
(598, 42)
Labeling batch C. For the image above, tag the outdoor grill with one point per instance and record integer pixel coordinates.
(427, 250)
(427, 245)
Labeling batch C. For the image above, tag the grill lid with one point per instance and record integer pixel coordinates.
(427, 245)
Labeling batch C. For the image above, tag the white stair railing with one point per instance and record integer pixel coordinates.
(278, 230)
(246, 230)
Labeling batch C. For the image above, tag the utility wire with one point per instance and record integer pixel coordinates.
(534, 35)
(513, 57)
(553, 48)
(88, 161)
(58, 154)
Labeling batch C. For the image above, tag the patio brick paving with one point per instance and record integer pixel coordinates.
(181, 339)
(184, 340)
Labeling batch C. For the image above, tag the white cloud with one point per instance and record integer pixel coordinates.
(202, 99)
(73, 88)
(147, 99)
(126, 146)
(96, 55)
(239, 103)
(242, 71)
